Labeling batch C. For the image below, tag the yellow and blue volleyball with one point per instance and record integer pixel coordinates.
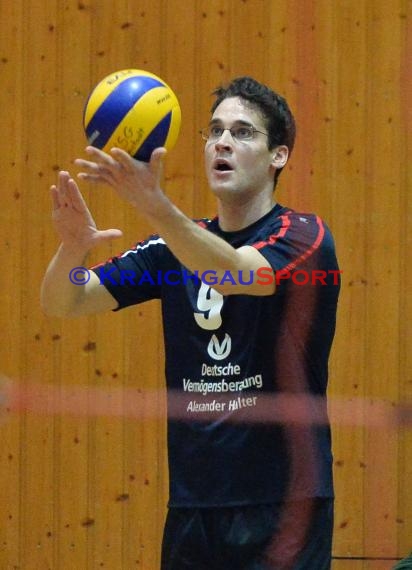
(134, 110)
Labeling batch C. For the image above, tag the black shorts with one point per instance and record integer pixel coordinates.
(288, 536)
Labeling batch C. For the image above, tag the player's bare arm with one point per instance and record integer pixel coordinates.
(78, 234)
(139, 184)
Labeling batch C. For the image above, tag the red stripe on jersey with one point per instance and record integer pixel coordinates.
(274, 237)
(311, 249)
(286, 222)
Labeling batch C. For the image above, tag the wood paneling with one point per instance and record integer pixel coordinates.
(362, 564)
(88, 489)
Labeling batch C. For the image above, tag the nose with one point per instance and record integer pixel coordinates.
(225, 140)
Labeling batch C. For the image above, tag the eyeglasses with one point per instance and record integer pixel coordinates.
(240, 133)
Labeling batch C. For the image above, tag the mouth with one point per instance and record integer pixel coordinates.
(222, 165)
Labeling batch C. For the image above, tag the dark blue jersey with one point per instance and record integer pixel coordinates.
(231, 359)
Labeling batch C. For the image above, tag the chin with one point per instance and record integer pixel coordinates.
(225, 193)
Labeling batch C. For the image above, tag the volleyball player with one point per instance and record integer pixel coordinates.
(249, 319)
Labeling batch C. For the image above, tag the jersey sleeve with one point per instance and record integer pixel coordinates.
(134, 276)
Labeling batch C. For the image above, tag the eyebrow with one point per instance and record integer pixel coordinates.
(238, 122)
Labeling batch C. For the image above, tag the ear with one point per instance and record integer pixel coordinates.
(280, 156)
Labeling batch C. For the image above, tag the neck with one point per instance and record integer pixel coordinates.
(234, 216)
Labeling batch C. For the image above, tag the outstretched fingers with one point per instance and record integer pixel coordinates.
(122, 158)
(76, 197)
(59, 191)
(100, 168)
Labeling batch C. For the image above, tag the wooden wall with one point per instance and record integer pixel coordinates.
(84, 488)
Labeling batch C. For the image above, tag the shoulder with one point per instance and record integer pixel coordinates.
(286, 226)
(290, 239)
(309, 224)
(301, 221)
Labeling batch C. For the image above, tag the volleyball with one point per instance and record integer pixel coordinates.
(133, 110)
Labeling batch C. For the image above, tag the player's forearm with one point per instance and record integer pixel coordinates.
(195, 247)
(59, 294)
(202, 251)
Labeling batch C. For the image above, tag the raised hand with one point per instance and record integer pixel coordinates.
(134, 181)
(72, 218)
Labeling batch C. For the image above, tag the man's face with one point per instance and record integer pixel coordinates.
(237, 168)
